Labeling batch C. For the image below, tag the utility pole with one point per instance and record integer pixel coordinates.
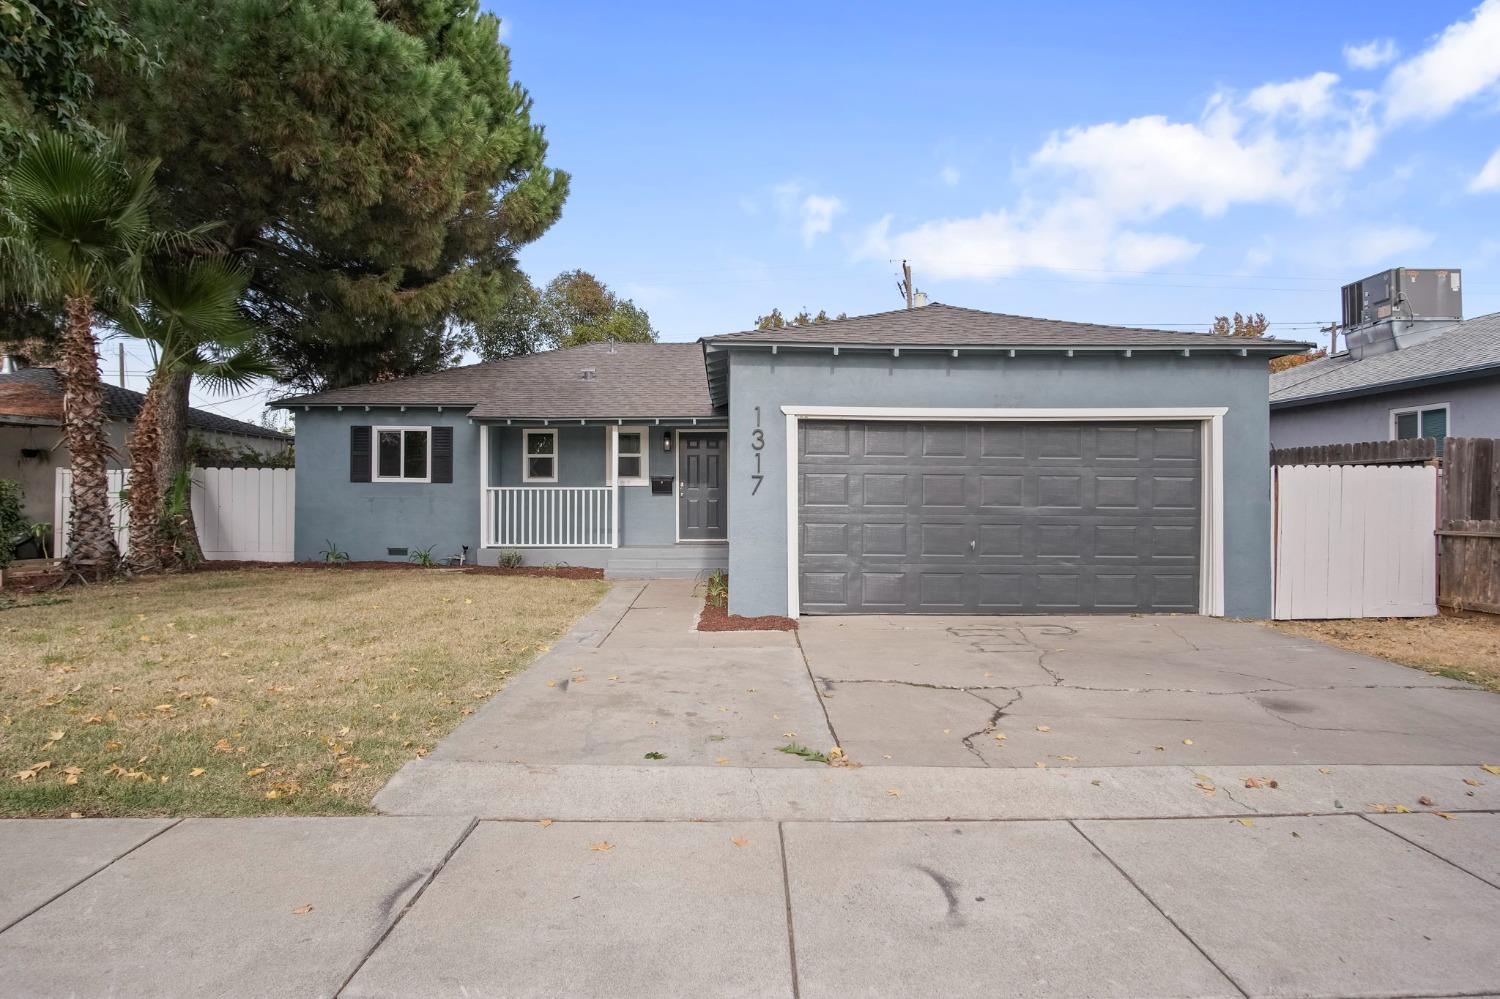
(906, 288)
(1332, 329)
(122, 363)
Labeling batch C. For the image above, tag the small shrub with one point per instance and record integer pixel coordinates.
(718, 588)
(14, 527)
(509, 559)
(334, 555)
(423, 557)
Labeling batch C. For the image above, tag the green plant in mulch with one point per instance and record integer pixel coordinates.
(509, 559)
(423, 557)
(718, 588)
(810, 755)
(334, 555)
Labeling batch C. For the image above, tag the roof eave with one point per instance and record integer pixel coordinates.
(1279, 348)
(1381, 388)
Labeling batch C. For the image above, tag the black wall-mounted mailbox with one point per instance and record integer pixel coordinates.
(661, 485)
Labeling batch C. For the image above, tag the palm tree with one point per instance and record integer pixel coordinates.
(191, 313)
(75, 223)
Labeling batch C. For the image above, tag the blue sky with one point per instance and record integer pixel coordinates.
(1075, 161)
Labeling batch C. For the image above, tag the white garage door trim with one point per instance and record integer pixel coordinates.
(1211, 578)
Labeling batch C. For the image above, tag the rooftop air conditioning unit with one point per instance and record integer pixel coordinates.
(1395, 307)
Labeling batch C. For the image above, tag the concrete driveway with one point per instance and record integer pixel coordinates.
(538, 852)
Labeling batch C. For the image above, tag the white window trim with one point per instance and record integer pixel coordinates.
(1211, 545)
(644, 479)
(526, 455)
(1419, 410)
(375, 475)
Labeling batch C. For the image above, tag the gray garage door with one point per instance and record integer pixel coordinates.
(998, 518)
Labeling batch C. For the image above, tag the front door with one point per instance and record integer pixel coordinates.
(701, 500)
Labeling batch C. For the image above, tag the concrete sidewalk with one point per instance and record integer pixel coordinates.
(1390, 905)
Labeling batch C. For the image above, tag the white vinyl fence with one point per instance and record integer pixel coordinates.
(242, 514)
(1355, 541)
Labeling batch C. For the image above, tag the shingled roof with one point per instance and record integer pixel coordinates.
(951, 326)
(596, 381)
(34, 396)
(1467, 349)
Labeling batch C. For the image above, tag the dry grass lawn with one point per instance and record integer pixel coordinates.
(260, 691)
(1457, 646)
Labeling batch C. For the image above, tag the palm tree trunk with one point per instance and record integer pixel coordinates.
(174, 432)
(145, 483)
(91, 537)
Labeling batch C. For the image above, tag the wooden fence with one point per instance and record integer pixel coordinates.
(1413, 451)
(242, 514)
(1469, 531)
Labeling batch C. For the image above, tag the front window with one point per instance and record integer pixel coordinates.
(540, 457)
(402, 454)
(630, 457)
(1424, 421)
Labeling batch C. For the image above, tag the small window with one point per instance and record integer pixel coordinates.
(1425, 421)
(540, 457)
(402, 454)
(630, 457)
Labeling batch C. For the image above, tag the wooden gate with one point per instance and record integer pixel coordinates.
(1355, 541)
(1470, 531)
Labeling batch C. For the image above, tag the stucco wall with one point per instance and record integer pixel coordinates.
(366, 518)
(758, 524)
(1473, 411)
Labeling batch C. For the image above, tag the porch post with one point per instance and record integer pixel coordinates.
(484, 492)
(613, 473)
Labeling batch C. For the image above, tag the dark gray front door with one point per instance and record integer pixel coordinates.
(700, 493)
(998, 518)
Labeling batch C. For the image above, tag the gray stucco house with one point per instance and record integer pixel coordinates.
(1398, 379)
(933, 460)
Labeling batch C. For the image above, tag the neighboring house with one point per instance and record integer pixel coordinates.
(32, 448)
(1399, 378)
(934, 460)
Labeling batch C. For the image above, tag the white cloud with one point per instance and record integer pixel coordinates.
(1310, 97)
(1488, 177)
(1462, 63)
(813, 213)
(949, 175)
(1372, 54)
(1371, 246)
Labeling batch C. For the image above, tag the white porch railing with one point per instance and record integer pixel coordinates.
(549, 517)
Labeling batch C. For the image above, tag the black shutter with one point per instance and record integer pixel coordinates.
(359, 454)
(442, 454)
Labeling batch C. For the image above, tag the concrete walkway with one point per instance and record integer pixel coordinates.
(538, 853)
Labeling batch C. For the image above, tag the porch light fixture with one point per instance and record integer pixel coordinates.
(666, 441)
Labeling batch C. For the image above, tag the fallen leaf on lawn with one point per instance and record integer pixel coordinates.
(302, 910)
(197, 772)
(93, 720)
(1245, 822)
(893, 792)
(1044, 728)
(603, 846)
(256, 772)
(544, 823)
(272, 795)
(1444, 815)
(56, 735)
(739, 841)
(163, 707)
(1425, 801)
(223, 746)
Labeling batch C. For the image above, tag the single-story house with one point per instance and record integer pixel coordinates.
(1432, 381)
(930, 460)
(31, 443)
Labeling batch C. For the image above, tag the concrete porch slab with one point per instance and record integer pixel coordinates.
(1314, 906)
(1025, 909)
(206, 909)
(595, 909)
(42, 858)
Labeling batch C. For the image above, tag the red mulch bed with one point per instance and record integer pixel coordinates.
(719, 619)
(553, 572)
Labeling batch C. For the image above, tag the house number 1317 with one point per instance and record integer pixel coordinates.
(757, 444)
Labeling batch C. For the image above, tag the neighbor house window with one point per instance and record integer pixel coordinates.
(402, 454)
(541, 456)
(1422, 421)
(630, 457)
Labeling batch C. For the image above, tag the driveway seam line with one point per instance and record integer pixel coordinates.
(807, 665)
(628, 608)
(1153, 903)
(416, 897)
(92, 874)
(1427, 850)
(791, 933)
